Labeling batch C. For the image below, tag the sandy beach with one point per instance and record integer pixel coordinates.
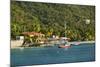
(16, 43)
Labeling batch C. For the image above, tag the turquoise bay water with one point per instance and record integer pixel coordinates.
(52, 55)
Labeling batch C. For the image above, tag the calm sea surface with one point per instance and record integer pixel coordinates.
(51, 55)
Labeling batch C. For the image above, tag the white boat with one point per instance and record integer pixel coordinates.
(65, 45)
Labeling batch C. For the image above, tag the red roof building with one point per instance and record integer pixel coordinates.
(33, 34)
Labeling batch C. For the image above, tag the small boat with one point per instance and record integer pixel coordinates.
(77, 43)
(64, 46)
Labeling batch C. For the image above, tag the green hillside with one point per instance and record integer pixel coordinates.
(50, 19)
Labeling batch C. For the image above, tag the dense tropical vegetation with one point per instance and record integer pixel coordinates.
(50, 19)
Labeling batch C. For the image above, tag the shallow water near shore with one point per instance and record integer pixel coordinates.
(52, 55)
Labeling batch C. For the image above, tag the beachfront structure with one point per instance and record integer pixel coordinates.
(33, 37)
(19, 37)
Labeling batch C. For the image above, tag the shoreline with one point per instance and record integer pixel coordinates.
(17, 43)
(81, 42)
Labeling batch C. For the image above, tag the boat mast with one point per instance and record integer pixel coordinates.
(65, 29)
